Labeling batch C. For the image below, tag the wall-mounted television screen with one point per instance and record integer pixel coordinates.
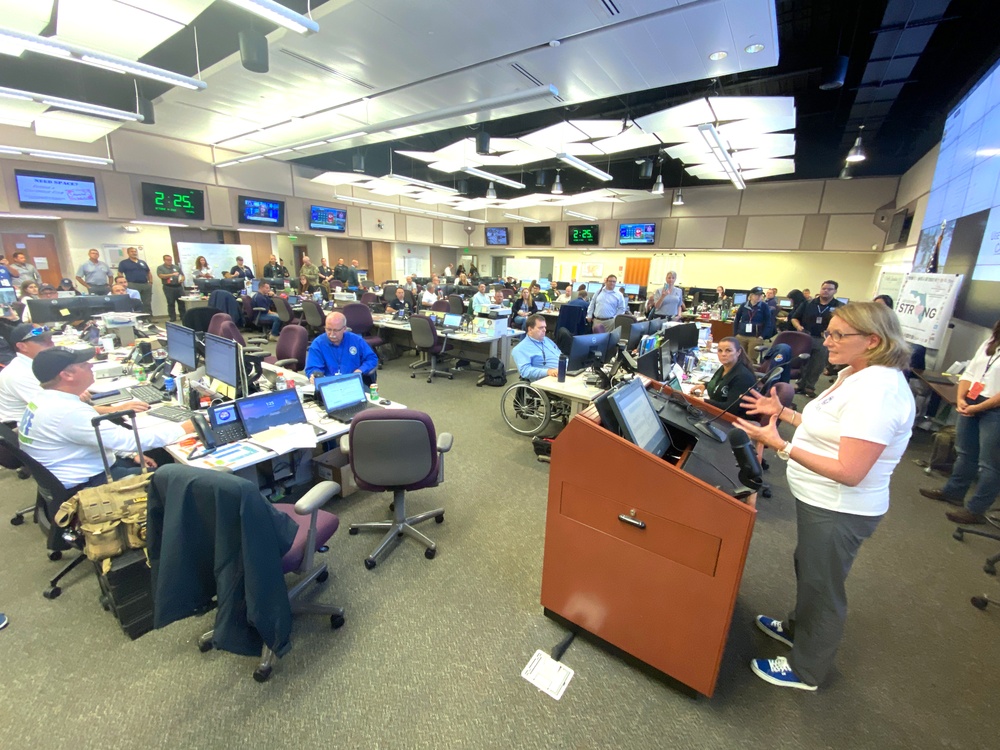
(537, 235)
(497, 236)
(260, 211)
(328, 219)
(65, 192)
(636, 234)
(172, 202)
(584, 234)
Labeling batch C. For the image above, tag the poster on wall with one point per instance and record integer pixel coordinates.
(925, 306)
(890, 283)
(115, 254)
(591, 270)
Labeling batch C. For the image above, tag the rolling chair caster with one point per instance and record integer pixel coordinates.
(336, 621)
(261, 674)
(52, 592)
(370, 563)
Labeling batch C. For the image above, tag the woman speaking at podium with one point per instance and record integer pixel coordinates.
(846, 445)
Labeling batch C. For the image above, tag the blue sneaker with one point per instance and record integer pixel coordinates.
(773, 628)
(778, 672)
(3, 621)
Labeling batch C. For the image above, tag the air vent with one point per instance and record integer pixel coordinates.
(611, 8)
(534, 81)
(326, 69)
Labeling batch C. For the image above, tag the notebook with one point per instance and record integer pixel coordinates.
(343, 395)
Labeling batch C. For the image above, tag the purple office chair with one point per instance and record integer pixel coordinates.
(198, 318)
(359, 320)
(396, 450)
(427, 341)
(313, 316)
(290, 351)
(217, 321)
(442, 305)
(211, 514)
(369, 298)
(227, 329)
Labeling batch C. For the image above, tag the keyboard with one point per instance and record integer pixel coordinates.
(147, 393)
(172, 413)
(346, 415)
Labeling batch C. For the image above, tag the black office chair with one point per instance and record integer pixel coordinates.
(427, 341)
(415, 461)
(51, 494)
(198, 318)
(313, 316)
(457, 304)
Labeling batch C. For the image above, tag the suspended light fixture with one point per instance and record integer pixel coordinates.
(491, 192)
(657, 188)
(679, 197)
(845, 173)
(557, 188)
(857, 153)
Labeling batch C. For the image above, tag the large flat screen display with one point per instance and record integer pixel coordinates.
(497, 236)
(261, 211)
(537, 235)
(65, 192)
(960, 232)
(172, 202)
(328, 219)
(636, 234)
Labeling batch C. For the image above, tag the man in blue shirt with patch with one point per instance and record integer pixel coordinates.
(538, 355)
(339, 352)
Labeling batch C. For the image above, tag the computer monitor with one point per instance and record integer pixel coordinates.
(65, 309)
(452, 320)
(683, 336)
(277, 282)
(843, 300)
(655, 324)
(636, 332)
(632, 289)
(739, 298)
(8, 295)
(263, 411)
(637, 418)
(255, 285)
(221, 359)
(590, 348)
(784, 303)
(207, 286)
(593, 287)
(181, 345)
(544, 284)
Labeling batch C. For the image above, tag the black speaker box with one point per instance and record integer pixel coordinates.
(253, 51)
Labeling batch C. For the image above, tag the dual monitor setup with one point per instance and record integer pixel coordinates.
(221, 356)
(83, 307)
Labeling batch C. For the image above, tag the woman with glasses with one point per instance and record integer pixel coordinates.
(731, 380)
(846, 444)
(977, 438)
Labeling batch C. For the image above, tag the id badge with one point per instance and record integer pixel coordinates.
(819, 320)
(974, 392)
(749, 329)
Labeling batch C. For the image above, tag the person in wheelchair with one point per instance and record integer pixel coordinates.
(537, 355)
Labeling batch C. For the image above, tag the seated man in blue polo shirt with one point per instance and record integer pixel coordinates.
(538, 355)
(339, 352)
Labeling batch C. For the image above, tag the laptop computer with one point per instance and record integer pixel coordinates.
(293, 299)
(263, 411)
(343, 395)
(452, 321)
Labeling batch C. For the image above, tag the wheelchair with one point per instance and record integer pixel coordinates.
(528, 410)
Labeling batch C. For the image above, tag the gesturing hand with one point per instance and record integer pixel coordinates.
(754, 403)
(766, 434)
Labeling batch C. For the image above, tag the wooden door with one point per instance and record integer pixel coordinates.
(40, 251)
(636, 271)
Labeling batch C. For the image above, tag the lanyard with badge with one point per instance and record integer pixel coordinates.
(977, 388)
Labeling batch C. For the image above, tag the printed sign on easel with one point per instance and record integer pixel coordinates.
(925, 306)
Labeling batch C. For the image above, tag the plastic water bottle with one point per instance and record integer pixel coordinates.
(279, 381)
(563, 363)
(168, 386)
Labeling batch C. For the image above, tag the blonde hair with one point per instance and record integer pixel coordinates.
(872, 318)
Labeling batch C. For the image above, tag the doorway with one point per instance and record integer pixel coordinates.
(39, 250)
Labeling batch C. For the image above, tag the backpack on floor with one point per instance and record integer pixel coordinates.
(494, 373)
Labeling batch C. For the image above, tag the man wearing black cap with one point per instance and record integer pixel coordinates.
(753, 322)
(18, 384)
(56, 427)
(66, 285)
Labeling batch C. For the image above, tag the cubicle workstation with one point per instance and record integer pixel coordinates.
(665, 534)
(476, 347)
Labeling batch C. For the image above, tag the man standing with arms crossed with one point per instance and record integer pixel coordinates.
(94, 274)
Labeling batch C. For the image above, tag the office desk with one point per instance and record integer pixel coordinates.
(472, 346)
(574, 391)
(947, 392)
(664, 593)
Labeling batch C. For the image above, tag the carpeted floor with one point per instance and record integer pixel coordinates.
(432, 651)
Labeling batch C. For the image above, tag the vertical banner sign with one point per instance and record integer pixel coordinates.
(925, 305)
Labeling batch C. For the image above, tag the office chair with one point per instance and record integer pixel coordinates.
(800, 344)
(226, 302)
(284, 311)
(51, 494)
(414, 461)
(290, 350)
(9, 460)
(217, 321)
(198, 318)
(210, 532)
(313, 316)
(442, 306)
(457, 304)
(624, 322)
(359, 320)
(573, 318)
(227, 329)
(389, 292)
(427, 341)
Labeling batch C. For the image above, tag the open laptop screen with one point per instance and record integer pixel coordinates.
(341, 391)
(452, 320)
(266, 410)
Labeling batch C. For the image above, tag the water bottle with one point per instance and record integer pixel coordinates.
(168, 387)
(563, 362)
(279, 381)
(317, 297)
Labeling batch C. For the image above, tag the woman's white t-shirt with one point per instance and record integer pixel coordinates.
(873, 404)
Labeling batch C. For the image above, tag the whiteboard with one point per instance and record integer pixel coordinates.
(523, 269)
(220, 257)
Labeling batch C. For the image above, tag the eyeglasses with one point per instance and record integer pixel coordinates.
(838, 336)
(336, 330)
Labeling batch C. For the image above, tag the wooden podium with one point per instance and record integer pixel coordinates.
(664, 593)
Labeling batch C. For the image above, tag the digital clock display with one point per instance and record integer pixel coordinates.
(584, 234)
(173, 202)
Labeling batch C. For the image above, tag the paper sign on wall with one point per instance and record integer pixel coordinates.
(42, 264)
(925, 307)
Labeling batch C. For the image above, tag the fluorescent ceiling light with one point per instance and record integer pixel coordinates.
(421, 183)
(720, 55)
(344, 137)
(584, 166)
(160, 223)
(721, 154)
(475, 171)
(29, 216)
(278, 14)
(254, 231)
(55, 101)
(13, 40)
(478, 105)
(518, 217)
(304, 146)
(580, 216)
(753, 49)
(41, 154)
(396, 207)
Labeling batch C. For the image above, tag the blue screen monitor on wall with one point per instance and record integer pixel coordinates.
(261, 211)
(328, 219)
(497, 236)
(636, 234)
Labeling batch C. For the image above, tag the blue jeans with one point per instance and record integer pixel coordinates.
(977, 442)
(519, 321)
(271, 318)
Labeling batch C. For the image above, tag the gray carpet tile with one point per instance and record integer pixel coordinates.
(432, 650)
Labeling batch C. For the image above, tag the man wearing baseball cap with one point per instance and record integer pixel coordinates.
(753, 322)
(18, 384)
(56, 428)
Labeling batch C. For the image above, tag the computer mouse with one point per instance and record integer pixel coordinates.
(385, 402)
